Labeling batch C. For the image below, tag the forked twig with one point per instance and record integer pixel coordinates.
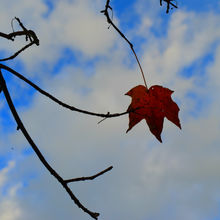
(21, 126)
(169, 2)
(29, 34)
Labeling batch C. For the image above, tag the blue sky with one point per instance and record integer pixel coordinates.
(85, 64)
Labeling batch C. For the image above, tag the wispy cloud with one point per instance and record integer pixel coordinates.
(9, 207)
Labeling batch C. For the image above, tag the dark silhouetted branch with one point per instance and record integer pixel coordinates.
(12, 35)
(169, 2)
(16, 54)
(29, 34)
(72, 108)
(109, 20)
(20, 125)
(89, 177)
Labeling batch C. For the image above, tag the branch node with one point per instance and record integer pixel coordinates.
(104, 118)
(169, 2)
(29, 35)
(37, 151)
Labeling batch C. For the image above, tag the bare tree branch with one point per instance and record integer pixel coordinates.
(18, 52)
(169, 2)
(29, 34)
(72, 108)
(37, 151)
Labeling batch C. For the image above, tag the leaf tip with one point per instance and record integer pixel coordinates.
(128, 130)
(159, 139)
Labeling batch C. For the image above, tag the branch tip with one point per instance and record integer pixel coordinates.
(88, 177)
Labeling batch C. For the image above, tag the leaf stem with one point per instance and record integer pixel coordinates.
(142, 72)
(109, 20)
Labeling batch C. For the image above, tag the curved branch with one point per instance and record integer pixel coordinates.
(72, 108)
(18, 52)
(37, 151)
(109, 20)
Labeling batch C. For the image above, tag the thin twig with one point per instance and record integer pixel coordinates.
(72, 108)
(29, 35)
(18, 52)
(88, 177)
(37, 151)
(169, 2)
(103, 118)
(109, 20)
(11, 36)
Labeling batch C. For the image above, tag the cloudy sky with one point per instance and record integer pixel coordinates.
(87, 65)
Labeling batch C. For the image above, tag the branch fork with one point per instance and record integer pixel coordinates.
(169, 2)
(29, 36)
(32, 37)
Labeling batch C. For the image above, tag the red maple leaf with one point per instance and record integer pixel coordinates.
(152, 105)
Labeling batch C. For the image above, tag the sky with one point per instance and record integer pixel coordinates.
(85, 63)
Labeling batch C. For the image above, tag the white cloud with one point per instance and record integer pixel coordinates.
(4, 171)
(188, 39)
(9, 208)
